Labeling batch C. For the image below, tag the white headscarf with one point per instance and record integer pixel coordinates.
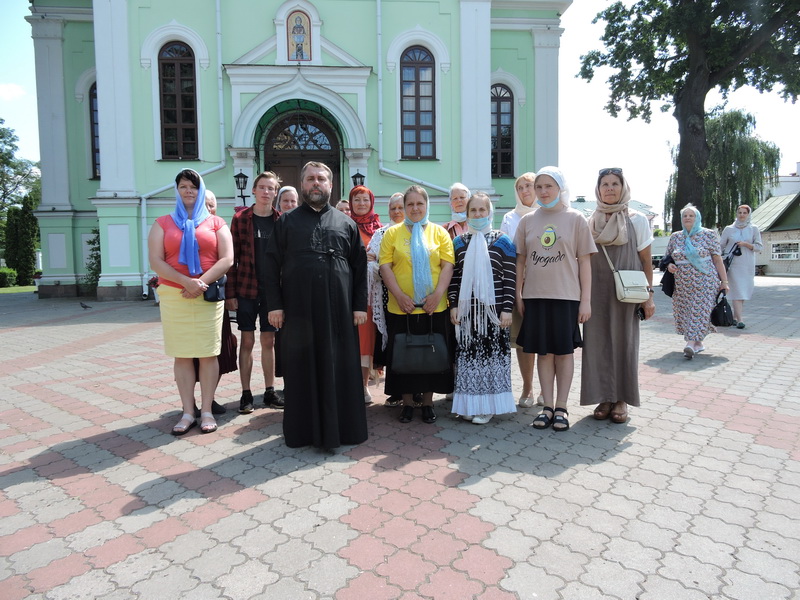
(558, 176)
(476, 299)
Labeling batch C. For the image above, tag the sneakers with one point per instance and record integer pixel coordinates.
(481, 419)
(272, 399)
(367, 396)
(246, 403)
(527, 401)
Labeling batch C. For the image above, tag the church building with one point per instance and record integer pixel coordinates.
(396, 92)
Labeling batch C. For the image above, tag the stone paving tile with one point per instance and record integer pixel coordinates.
(695, 497)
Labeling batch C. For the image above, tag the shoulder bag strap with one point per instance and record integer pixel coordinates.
(610, 264)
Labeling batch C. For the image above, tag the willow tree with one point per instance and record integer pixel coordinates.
(740, 165)
(675, 52)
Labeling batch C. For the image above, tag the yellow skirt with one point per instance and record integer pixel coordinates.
(192, 328)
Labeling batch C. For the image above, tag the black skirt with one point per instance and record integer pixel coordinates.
(550, 327)
(404, 383)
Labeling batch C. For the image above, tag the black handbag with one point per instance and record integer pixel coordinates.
(215, 292)
(667, 279)
(735, 251)
(722, 315)
(419, 354)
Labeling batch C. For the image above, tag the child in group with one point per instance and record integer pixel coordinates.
(553, 290)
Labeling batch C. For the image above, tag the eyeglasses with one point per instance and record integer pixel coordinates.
(610, 171)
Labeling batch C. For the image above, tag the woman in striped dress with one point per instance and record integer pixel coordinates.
(481, 296)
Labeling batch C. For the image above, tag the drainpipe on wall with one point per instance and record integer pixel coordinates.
(381, 169)
(221, 165)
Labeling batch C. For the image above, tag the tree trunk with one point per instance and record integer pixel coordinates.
(693, 151)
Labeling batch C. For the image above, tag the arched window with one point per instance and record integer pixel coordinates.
(178, 101)
(94, 125)
(418, 117)
(502, 132)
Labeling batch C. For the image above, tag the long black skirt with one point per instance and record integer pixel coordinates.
(406, 383)
(550, 327)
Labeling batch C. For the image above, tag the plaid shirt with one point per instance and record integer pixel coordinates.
(242, 282)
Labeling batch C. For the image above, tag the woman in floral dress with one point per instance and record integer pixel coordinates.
(699, 275)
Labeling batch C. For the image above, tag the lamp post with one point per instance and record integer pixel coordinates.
(358, 179)
(241, 185)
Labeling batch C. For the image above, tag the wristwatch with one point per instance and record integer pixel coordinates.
(651, 290)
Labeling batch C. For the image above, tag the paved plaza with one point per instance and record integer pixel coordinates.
(696, 497)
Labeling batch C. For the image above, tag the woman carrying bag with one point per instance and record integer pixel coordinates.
(416, 264)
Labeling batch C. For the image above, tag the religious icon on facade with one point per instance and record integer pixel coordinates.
(298, 31)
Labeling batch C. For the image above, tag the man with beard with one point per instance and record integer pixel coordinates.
(317, 268)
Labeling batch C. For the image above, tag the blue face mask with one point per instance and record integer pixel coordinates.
(551, 205)
(479, 224)
(458, 217)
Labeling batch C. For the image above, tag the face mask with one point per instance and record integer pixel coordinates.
(479, 224)
(551, 205)
(458, 217)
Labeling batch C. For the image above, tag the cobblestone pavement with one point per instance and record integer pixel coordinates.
(695, 497)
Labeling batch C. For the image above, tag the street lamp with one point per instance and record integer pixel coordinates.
(241, 185)
(358, 179)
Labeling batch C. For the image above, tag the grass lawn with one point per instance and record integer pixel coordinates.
(17, 289)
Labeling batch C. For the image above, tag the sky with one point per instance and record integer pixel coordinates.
(589, 138)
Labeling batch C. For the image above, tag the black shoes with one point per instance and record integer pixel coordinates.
(406, 414)
(246, 403)
(216, 409)
(272, 399)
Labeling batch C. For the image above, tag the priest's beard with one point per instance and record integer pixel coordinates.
(316, 198)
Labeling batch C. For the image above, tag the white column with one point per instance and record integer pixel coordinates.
(476, 83)
(546, 41)
(114, 97)
(48, 48)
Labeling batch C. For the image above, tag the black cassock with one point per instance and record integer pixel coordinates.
(317, 274)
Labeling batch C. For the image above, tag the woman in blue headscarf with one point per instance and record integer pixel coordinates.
(416, 264)
(699, 275)
(189, 250)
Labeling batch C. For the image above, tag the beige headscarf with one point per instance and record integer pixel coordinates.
(520, 208)
(614, 231)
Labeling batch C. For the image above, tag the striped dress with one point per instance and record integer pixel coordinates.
(483, 367)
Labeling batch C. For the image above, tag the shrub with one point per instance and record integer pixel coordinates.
(8, 277)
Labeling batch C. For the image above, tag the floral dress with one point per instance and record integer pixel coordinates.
(695, 292)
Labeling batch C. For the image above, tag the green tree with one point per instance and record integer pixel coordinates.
(739, 166)
(16, 174)
(22, 239)
(676, 51)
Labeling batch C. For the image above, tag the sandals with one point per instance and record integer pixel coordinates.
(602, 411)
(543, 421)
(185, 424)
(620, 417)
(207, 423)
(560, 421)
(393, 401)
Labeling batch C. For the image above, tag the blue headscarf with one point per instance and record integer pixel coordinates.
(190, 250)
(689, 250)
(420, 259)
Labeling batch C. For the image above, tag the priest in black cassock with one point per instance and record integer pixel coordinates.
(317, 296)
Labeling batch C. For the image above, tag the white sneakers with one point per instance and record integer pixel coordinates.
(527, 402)
(477, 419)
